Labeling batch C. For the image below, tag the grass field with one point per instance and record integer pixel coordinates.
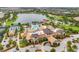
(73, 28)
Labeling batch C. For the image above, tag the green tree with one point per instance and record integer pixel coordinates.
(12, 42)
(0, 23)
(69, 49)
(1, 46)
(69, 43)
(23, 43)
(27, 24)
(17, 48)
(8, 45)
(53, 50)
(74, 47)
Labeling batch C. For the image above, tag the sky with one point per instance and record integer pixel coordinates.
(40, 3)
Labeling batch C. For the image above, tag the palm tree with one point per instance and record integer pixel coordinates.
(34, 42)
(65, 19)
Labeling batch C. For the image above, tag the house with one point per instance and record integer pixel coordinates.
(1, 14)
(11, 33)
(59, 31)
(51, 39)
(43, 27)
(47, 31)
(35, 36)
(44, 21)
(29, 36)
(39, 32)
(23, 35)
(50, 27)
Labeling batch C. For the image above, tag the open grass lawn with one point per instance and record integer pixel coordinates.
(67, 27)
(9, 22)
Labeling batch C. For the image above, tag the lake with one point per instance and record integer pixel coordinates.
(29, 18)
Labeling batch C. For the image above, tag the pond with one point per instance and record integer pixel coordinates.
(29, 18)
(2, 29)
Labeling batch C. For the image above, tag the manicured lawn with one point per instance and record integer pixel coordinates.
(24, 43)
(8, 22)
(67, 27)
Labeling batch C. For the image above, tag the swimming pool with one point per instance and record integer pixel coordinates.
(35, 27)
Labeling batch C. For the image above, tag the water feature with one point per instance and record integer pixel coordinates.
(2, 30)
(28, 18)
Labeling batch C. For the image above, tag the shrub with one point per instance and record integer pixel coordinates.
(55, 44)
(67, 34)
(74, 47)
(74, 41)
(1, 46)
(42, 39)
(38, 50)
(8, 45)
(69, 49)
(24, 43)
(69, 43)
(27, 50)
(1, 38)
(53, 50)
(17, 48)
(12, 42)
(78, 40)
